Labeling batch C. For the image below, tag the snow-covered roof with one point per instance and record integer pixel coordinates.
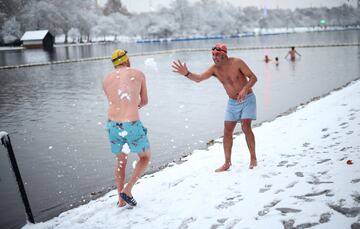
(34, 35)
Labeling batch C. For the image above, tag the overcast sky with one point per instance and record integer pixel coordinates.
(148, 5)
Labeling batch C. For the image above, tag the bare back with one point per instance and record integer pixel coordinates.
(123, 87)
(233, 75)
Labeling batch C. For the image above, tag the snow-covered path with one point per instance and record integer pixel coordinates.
(304, 179)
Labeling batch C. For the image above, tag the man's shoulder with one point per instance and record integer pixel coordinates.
(213, 69)
(136, 71)
(238, 61)
(108, 76)
(235, 59)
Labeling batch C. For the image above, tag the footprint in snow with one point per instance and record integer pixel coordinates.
(292, 184)
(265, 189)
(230, 201)
(220, 223)
(267, 207)
(282, 163)
(186, 222)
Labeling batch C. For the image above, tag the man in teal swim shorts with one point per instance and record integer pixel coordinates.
(126, 92)
(238, 80)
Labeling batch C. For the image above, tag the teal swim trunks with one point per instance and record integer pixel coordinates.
(126, 137)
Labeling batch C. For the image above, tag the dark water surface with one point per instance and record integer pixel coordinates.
(26, 56)
(55, 114)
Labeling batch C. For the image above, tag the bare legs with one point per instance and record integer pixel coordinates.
(121, 160)
(228, 142)
(250, 141)
(229, 127)
(139, 170)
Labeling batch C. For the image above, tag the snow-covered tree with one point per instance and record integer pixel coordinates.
(69, 15)
(181, 18)
(10, 8)
(114, 6)
(11, 30)
(156, 27)
(39, 15)
(182, 13)
(74, 35)
(105, 26)
(121, 24)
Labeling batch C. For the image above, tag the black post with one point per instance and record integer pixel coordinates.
(5, 140)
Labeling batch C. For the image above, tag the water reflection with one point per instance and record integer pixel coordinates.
(51, 54)
(267, 88)
(293, 64)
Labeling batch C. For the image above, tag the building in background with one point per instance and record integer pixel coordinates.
(38, 39)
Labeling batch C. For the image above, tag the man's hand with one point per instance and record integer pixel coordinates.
(242, 94)
(180, 68)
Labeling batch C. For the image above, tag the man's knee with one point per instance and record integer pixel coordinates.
(121, 158)
(246, 128)
(145, 157)
(229, 129)
(228, 132)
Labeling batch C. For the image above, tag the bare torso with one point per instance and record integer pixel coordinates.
(292, 54)
(122, 87)
(232, 77)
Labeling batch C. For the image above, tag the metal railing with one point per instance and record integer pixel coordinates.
(5, 140)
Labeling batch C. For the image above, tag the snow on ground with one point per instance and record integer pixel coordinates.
(304, 179)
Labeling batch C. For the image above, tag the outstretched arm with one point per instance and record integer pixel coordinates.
(182, 69)
(297, 53)
(287, 55)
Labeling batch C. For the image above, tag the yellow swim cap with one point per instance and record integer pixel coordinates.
(118, 57)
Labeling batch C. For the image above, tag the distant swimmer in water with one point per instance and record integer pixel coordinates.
(292, 54)
(267, 59)
(277, 61)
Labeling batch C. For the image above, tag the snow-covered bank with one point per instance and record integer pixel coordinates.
(250, 33)
(253, 33)
(60, 39)
(308, 175)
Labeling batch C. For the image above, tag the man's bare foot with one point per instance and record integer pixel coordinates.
(253, 163)
(223, 168)
(121, 203)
